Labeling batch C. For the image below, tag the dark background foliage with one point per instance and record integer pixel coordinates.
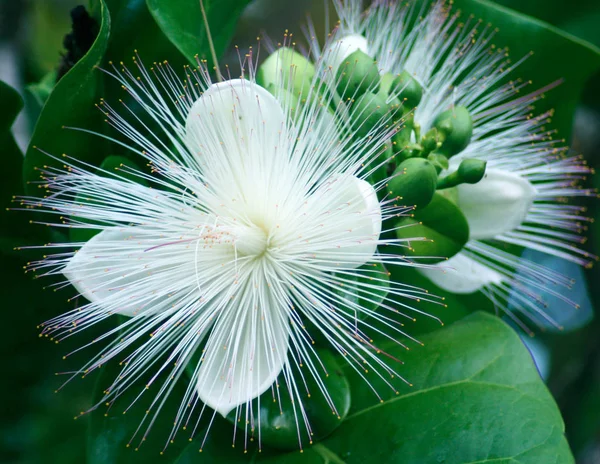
(38, 45)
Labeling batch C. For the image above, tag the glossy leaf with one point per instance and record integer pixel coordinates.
(182, 22)
(134, 34)
(12, 223)
(71, 103)
(557, 55)
(111, 430)
(133, 29)
(477, 398)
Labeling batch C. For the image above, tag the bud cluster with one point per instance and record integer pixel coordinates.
(414, 163)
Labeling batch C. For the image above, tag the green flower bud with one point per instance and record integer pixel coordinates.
(409, 90)
(414, 182)
(443, 226)
(369, 111)
(384, 90)
(470, 171)
(288, 67)
(457, 125)
(385, 84)
(357, 75)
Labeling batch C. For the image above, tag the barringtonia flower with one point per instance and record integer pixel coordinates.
(255, 229)
(449, 72)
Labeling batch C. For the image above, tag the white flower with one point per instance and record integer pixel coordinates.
(521, 200)
(258, 217)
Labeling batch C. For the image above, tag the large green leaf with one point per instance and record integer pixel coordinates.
(12, 223)
(111, 430)
(563, 14)
(477, 398)
(556, 55)
(133, 29)
(71, 103)
(182, 22)
(133, 32)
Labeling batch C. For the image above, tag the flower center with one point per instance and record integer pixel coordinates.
(251, 240)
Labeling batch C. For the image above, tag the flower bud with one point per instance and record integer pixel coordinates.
(414, 182)
(385, 83)
(288, 67)
(370, 111)
(342, 48)
(442, 225)
(457, 126)
(408, 89)
(470, 171)
(357, 75)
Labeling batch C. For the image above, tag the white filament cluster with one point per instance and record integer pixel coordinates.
(521, 202)
(257, 220)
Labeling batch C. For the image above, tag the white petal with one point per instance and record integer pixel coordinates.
(344, 47)
(497, 204)
(461, 274)
(99, 273)
(244, 356)
(352, 221)
(227, 124)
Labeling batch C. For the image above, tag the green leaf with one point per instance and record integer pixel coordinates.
(556, 55)
(71, 103)
(443, 226)
(13, 224)
(111, 430)
(183, 24)
(40, 91)
(133, 29)
(477, 397)
(133, 32)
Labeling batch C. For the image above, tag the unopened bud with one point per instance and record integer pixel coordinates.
(357, 75)
(470, 171)
(414, 182)
(457, 126)
(442, 224)
(369, 113)
(344, 47)
(385, 83)
(286, 69)
(408, 89)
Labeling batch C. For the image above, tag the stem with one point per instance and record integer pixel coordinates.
(211, 45)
